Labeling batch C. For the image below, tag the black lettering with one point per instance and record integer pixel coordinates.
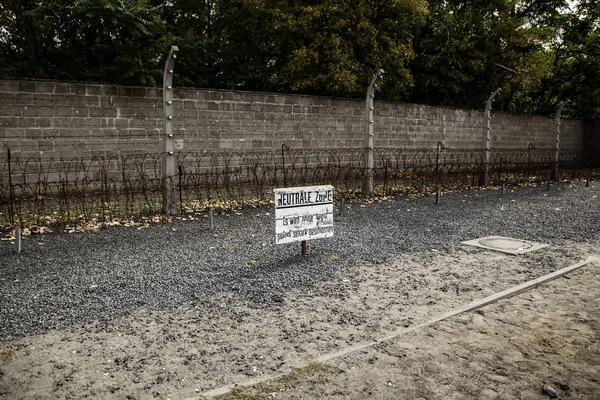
(284, 235)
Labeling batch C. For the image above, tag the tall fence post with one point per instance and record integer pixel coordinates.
(487, 127)
(554, 174)
(368, 186)
(168, 146)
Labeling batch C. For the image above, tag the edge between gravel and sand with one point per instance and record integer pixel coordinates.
(505, 294)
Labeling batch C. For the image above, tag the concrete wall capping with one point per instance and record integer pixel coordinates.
(75, 119)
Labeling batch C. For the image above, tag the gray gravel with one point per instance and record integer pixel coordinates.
(63, 279)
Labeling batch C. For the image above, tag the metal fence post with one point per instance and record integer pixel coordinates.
(554, 175)
(10, 187)
(180, 188)
(487, 126)
(168, 146)
(211, 220)
(284, 148)
(368, 186)
(438, 191)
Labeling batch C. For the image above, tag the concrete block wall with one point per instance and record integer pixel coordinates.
(592, 142)
(520, 131)
(43, 119)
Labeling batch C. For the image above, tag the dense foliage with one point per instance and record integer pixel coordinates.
(440, 52)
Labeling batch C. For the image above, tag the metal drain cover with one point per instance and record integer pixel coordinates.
(505, 244)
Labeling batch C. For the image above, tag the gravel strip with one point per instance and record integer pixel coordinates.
(62, 279)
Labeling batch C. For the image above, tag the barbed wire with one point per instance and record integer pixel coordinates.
(40, 190)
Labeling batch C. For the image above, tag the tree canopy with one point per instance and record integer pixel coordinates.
(438, 52)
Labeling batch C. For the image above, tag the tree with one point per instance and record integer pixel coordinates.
(335, 46)
(439, 52)
(31, 43)
(104, 40)
(248, 46)
(574, 73)
(190, 24)
(122, 40)
(469, 48)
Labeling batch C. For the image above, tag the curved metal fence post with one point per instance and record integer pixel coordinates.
(368, 186)
(487, 127)
(168, 146)
(554, 174)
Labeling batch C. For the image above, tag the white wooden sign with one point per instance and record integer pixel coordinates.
(303, 213)
(178, 144)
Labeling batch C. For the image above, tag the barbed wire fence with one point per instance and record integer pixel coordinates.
(44, 191)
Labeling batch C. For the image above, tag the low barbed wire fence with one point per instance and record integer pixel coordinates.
(44, 191)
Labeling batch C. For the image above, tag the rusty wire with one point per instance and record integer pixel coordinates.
(40, 191)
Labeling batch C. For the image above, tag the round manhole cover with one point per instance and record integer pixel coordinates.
(505, 244)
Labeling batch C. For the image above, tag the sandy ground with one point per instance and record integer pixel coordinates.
(504, 351)
(549, 335)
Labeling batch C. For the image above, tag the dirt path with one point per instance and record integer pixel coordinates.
(507, 350)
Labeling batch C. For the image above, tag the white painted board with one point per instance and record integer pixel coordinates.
(178, 144)
(303, 213)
